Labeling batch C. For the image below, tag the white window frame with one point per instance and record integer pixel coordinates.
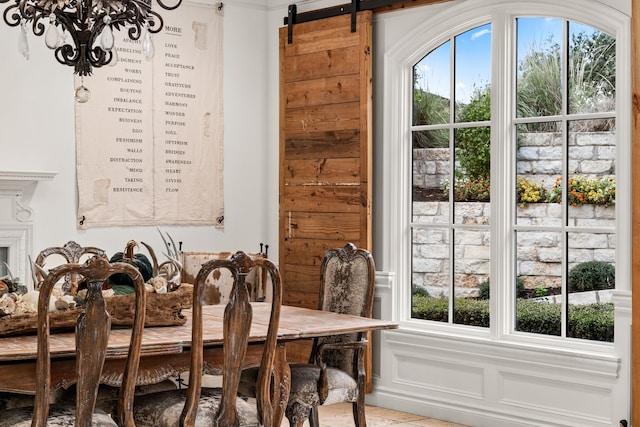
(397, 110)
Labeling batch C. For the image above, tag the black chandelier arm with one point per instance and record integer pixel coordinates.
(98, 58)
(67, 54)
(11, 17)
(155, 23)
(164, 6)
(79, 53)
(37, 26)
(133, 16)
(82, 57)
(26, 10)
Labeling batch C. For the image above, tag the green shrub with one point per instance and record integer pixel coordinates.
(541, 291)
(592, 275)
(589, 322)
(416, 290)
(484, 289)
(537, 317)
(471, 312)
(473, 144)
(428, 308)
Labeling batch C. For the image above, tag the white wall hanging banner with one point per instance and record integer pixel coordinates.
(150, 139)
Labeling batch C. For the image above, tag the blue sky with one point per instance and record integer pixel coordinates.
(473, 60)
(473, 56)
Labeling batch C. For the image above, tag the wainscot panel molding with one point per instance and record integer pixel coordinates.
(485, 383)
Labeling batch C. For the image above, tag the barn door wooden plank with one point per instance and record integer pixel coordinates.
(325, 148)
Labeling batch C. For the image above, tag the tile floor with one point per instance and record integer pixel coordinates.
(339, 415)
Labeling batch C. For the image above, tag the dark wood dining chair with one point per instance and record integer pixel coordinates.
(204, 406)
(70, 253)
(91, 336)
(335, 372)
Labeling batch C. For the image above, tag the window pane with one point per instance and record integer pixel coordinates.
(431, 87)
(471, 269)
(472, 175)
(473, 75)
(592, 70)
(591, 183)
(539, 277)
(430, 163)
(591, 279)
(430, 277)
(538, 174)
(539, 74)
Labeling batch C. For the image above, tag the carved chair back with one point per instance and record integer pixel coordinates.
(236, 327)
(92, 333)
(218, 284)
(72, 253)
(347, 287)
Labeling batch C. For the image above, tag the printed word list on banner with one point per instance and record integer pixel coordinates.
(150, 138)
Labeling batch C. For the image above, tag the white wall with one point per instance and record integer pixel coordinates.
(37, 134)
(451, 379)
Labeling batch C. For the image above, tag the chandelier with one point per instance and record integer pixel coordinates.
(81, 31)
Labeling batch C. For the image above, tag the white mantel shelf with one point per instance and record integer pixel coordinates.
(12, 180)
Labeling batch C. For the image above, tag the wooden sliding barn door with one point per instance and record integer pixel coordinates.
(325, 148)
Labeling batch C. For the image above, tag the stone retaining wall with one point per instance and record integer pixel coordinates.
(539, 253)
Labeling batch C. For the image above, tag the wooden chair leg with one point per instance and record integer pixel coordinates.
(313, 417)
(282, 381)
(358, 414)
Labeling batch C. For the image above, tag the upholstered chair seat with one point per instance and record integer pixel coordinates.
(59, 416)
(164, 409)
(14, 400)
(342, 387)
(304, 396)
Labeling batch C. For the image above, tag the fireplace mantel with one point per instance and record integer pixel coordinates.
(14, 189)
(11, 180)
(16, 217)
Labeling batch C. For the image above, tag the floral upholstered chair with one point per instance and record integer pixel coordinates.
(335, 372)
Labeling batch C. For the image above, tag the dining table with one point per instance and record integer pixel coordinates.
(165, 349)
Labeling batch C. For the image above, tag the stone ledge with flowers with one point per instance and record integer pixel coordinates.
(166, 297)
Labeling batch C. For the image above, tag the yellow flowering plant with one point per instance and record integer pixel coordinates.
(529, 191)
(585, 191)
